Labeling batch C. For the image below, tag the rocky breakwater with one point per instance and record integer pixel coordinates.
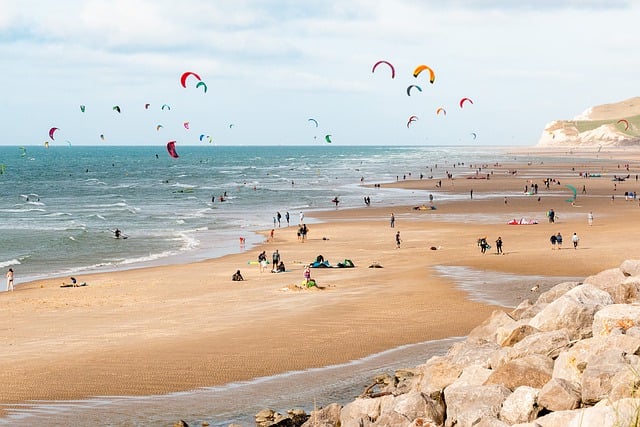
(571, 358)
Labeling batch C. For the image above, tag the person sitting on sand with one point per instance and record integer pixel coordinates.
(237, 277)
(281, 268)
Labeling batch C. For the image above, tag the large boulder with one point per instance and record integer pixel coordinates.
(507, 336)
(574, 311)
(622, 289)
(556, 292)
(363, 411)
(329, 416)
(617, 316)
(533, 370)
(472, 353)
(466, 406)
(432, 377)
(560, 395)
(598, 375)
(630, 267)
(409, 407)
(520, 406)
(486, 331)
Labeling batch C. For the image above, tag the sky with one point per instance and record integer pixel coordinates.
(270, 66)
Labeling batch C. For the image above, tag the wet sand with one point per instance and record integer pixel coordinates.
(171, 328)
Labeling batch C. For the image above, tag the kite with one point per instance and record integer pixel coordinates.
(82, 108)
(393, 70)
(463, 100)
(183, 78)
(186, 125)
(51, 132)
(441, 110)
(146, 106)
(314, 121)
(159, 127)
(231, 125)
(166, 107)
(171, 149)
(102, 136)
(328, 138)
(411, 120)
(421, 68)
(411, 87)
(23, 151)
(475, 135)
(626, 123)
(116, 108)
(207, 136)
(203, 84)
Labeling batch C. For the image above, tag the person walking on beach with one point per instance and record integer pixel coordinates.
(590, 218)
(398, 240)
(10, 280)
(262, 261)
(575, 239)
(553, 241)
(471, 193)
(499, 245)
(286, 215)
(559, 240)
(552, 216)
(275, 257)
(301, 217)
(278, 217)
(392, 220)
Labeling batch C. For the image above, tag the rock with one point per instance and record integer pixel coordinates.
(432, 377)
(549, 343)
(511, 336)
(468, 405)
(622, 316)
(328, 416)
(630, 267)
(363, 411)
(486, 331)
(181, 423)
(626, 382)
(621, 413)
(410, 407)
(574, 311)
(556, 292)
(471, 376)
(622, 289)
(597, 377)
(533, 370)
(612, 275)
(520, 406)
(518, 313)
(472, 353)
(560, 395)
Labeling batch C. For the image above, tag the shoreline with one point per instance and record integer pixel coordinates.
(210, 321)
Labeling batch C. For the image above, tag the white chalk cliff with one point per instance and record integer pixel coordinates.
(608, 125)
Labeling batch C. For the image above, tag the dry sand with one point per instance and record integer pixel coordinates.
(179, 327)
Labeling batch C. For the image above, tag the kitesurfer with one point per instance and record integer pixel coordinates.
(117, 233)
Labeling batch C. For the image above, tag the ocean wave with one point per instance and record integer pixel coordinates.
(4, 264)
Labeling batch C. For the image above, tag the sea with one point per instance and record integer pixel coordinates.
(59, 207)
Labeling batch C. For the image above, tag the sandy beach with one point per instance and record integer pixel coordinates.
(179, 327)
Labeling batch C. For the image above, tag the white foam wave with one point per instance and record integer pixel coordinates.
(4, 264)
